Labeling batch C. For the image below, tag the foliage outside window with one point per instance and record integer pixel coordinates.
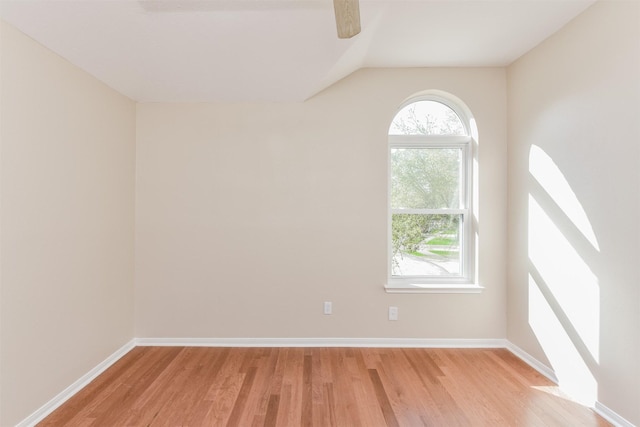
(429, 194)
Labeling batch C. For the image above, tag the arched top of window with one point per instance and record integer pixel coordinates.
(427, 117)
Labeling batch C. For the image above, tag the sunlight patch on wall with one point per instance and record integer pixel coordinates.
(565, 274)
(564, 292)
(549, 176)
(573, 374)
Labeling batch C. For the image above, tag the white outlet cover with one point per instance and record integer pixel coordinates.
(328, 309)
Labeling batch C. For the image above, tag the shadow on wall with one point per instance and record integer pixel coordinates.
(564, 293)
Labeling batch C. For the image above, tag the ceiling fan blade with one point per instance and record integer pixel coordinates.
(347, 18)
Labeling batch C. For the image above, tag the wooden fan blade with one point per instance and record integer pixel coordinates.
(347, 18)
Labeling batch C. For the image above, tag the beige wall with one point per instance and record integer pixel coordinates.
(67, 173)
(574, 283)
(249, 216)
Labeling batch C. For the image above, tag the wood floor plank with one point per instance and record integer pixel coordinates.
(211, 368)
(307, 393)
(442, 408)
(383, 399)
(359, 409)
(291, 413)
(197, 387)
(243, 396)
(345, 401)
(476, 405)
(272, 410)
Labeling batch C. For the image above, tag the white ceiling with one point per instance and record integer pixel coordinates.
(275, 50)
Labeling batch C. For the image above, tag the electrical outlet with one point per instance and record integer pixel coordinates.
(328, 307)
(393, 313)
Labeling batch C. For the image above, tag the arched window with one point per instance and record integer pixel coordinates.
(430, 161)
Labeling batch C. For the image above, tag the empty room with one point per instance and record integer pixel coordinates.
(317, 212)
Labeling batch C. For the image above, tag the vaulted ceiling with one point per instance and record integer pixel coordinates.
(275, 50)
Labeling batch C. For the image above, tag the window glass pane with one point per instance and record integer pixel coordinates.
(426, 245)
(425, 178)
(427, 118)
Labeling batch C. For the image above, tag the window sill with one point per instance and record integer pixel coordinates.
(430, 288)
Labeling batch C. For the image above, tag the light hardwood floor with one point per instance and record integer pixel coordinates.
(194, 386)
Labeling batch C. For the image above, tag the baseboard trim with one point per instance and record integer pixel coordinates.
(67, 393)
(532, 361)
(322, 342)
(598, 408)
(611, 416)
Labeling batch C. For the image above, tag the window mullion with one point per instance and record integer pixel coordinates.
(428, 140)
(429, 211)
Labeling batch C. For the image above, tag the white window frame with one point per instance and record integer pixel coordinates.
(465, 282)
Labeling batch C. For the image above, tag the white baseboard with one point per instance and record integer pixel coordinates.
(611, 416)
(323, 342)
(67, 393)
(532, 361)
(599, 408)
